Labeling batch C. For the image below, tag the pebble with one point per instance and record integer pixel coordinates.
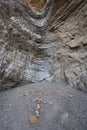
(37, 113)
(38, 106)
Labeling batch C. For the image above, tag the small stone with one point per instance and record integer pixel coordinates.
(37, 113)
(70, 96)
(44, 102)
(37, 99)
(34, 119)
(38, 106)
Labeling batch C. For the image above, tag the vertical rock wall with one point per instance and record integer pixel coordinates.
(22, 33)
(43, 40)
(68, 48)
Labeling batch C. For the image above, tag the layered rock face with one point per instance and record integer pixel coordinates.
(22, 33)
(43, 40)
(68, 38)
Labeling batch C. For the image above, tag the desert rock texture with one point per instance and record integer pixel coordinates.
(43, 40)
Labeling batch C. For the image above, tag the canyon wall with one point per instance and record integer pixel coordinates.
(47, 42)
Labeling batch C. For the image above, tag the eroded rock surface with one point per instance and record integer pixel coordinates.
(68, 45)
(22, 32)
(43, 42)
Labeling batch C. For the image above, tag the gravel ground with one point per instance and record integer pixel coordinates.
(61, 107)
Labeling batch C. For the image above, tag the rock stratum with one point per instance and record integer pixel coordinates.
(43, 40)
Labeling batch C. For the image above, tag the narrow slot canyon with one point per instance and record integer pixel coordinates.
(43, 64)
(43, 40)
